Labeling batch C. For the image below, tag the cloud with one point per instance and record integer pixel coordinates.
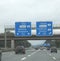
(36, 42)
(29, 10)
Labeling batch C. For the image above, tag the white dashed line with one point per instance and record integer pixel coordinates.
(54, 58)
(35, 52)
(29, 55)
(23, 58)
(32, 53)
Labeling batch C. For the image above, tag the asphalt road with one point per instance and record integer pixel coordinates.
(32, 55)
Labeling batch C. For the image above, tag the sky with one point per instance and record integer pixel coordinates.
(12, 11)
(36, 42)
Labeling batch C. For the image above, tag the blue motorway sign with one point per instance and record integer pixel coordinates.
(44, 29)
(23, 28)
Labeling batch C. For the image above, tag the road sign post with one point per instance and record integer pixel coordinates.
(44, 29)
(5, 39)
(23, 28)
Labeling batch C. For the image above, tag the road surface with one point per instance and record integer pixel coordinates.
(31, 55)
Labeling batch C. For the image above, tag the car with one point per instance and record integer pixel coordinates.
(20, 49)
(36, 48)
(53, 49)
(42, 48)
(48, 48)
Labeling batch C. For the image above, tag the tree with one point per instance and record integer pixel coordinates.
(24, 43)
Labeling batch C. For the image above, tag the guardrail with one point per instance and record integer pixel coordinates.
(7, 49)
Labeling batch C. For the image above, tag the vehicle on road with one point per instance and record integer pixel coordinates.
(36, 48)
(53, 49)
(41, 48)
(48, 48)
(20, 49)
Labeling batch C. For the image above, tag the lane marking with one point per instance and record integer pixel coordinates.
(33, 53)
(23, 58)
(29, 55)
(54, 58)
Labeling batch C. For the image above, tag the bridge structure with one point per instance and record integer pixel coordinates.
(33, 37)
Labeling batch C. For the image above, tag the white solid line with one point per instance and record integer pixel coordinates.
(54, 58)
(23, 58)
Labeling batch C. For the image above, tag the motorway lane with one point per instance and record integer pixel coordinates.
(11, 56)
(39, 56)
(32, 55)
(55, 56)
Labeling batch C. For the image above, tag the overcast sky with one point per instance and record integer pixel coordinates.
(12, 11)
(37, 42)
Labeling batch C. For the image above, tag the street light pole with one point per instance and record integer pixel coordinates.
(5, 39)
